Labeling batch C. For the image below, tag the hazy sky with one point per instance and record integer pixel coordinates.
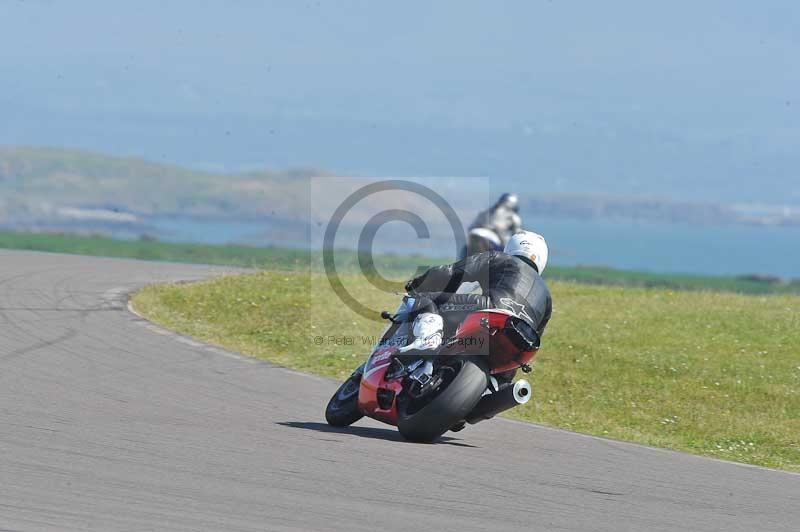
(692, 100)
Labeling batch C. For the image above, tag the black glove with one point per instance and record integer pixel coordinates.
(410, 287)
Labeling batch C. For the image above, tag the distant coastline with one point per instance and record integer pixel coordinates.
(47, 190)
(64, 189)
(662, 209)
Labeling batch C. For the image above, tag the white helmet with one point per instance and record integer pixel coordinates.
(529, 245)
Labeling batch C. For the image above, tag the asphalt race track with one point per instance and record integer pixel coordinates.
(109, 423)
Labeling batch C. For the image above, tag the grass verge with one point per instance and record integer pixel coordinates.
(298, 259)
(714, 374)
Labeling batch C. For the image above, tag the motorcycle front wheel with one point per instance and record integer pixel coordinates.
(427, 418)
(342, 409)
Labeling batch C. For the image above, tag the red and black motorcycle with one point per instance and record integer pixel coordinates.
(426, 393)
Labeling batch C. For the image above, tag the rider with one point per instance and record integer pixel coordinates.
(509, 280)
(493, 227)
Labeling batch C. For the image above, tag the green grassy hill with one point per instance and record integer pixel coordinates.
(709, 373)
(672, 361)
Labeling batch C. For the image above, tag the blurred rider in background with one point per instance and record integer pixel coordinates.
(493, 227)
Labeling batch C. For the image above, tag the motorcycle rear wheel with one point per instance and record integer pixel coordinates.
(445, 409)
(342, 409)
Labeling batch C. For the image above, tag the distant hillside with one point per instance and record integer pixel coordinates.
(41, 183)
(47, 189)
(67, 190)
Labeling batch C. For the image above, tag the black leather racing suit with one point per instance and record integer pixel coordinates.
(508, 282)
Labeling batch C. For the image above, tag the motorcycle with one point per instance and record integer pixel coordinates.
(425, 393)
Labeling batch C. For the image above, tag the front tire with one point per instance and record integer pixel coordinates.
(342, 409)
(446, 409)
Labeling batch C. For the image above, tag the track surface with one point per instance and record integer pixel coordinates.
(108, 423)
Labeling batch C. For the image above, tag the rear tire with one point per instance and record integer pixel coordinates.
(446, 409)
(342, 409)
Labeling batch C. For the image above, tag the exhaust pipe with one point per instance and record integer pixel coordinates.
(492, 404)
